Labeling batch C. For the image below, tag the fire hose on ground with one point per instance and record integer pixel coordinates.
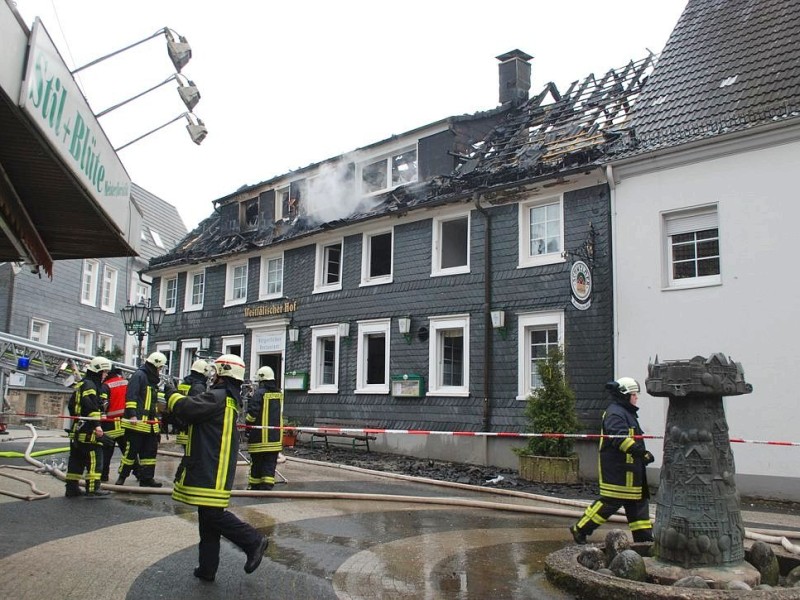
(771, 536)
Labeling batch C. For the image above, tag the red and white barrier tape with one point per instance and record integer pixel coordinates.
(373, 431)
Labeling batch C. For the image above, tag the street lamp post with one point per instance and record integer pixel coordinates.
(137, 319)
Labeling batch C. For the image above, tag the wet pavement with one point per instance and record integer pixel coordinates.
(334, 534)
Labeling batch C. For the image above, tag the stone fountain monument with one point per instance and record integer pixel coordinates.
(698, 528)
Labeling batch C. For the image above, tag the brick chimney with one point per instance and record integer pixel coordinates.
(515, 77)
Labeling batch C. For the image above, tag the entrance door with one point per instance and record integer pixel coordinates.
(274, 362)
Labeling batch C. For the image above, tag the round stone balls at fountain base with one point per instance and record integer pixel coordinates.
(664, 573)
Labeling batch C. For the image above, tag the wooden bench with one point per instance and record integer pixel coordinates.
(356, 439)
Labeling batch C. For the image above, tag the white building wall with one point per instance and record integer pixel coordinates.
(752, 316)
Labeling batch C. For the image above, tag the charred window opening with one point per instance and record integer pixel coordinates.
(282, 203)
(404, 168)
(294, 199)
(389, 172)
(374, 177)
(249, 214)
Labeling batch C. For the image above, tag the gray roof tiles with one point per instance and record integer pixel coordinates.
(728, 65)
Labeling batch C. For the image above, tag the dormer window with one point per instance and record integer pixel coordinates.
(282, 196)
(248, 215)
(389, 172)
(288, 199)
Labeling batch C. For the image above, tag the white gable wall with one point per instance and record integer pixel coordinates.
(752, 316)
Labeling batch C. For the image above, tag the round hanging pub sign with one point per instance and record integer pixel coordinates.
(580, 278)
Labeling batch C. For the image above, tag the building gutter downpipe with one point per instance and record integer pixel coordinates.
(487, 312)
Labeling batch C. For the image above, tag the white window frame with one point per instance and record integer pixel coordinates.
(108, 290)
(168, 350)
(318, 333)
(229, 282)
(263, 286)
(101, 337)
(232, 340)
(526, 259)
(437, 245)
(188, 301)
(163, 299)
(90, 273)
(187, 347)
(387, 159)
(44, 330)
(279, 200)
(88, 347)
(436, 325)
(366, 256)
(699, 218)
(526, 322)
(321, 264)
(365, 329)
(140, 292)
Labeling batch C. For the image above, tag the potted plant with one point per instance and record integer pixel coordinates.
(289, 438)
(550, 409)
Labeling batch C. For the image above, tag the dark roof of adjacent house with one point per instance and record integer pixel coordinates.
(727, 66)
(161, 223)
(551, 134)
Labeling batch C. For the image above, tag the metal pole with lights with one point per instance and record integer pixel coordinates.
(137, 319)
(197, 130)
(188, 92)
(179, 52)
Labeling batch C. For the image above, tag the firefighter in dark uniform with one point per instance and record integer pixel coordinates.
(205, 476)
(195, 382)
(141, 423)
(85, 449)
(113, 391)
(623, 459)
(264, 411)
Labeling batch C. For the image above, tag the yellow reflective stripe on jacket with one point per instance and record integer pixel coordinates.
(229, 424)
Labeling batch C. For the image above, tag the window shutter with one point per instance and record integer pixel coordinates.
(693, 221)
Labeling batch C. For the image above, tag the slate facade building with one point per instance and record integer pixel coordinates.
(422, 276)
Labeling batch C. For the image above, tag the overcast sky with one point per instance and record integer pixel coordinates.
(287, 84)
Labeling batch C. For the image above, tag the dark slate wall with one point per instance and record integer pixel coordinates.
(413, 291)
(434, 156)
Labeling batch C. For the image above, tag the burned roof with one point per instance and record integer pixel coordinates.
(727, 66)
(552, 133)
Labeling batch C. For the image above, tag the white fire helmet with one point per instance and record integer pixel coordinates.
(230, 365)
(628, 385)
(98, 364)
(265, 374)
(200, 366)
(157, 359)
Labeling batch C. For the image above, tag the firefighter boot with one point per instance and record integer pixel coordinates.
(73, 489)
(150, 483)
(643, 535)
(208, 557)
(578, 535)
(255, 554)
